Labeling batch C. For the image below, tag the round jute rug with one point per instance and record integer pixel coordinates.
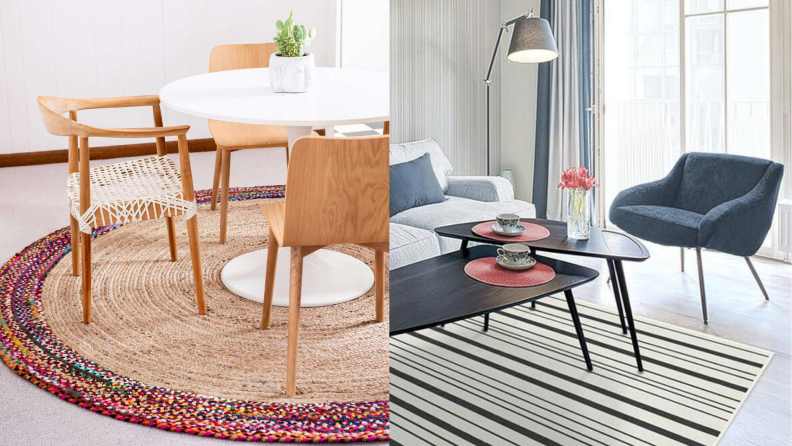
(149, 358)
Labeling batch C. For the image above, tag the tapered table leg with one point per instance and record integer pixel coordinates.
(578, 328)
(486, 322)
(628, 312)
(615, 286)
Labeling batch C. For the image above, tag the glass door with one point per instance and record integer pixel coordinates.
(677, 76)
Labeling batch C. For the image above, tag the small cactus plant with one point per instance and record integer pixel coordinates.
(292, 41)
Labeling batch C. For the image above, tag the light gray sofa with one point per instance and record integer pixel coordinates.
(412, 236)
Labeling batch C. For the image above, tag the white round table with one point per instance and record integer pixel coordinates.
(340, 97)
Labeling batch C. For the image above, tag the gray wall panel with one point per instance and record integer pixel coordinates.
(439, 55)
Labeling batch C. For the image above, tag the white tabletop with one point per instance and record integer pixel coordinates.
(340, 97)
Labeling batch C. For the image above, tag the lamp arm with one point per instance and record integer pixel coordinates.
(494, 54)
(504, 27)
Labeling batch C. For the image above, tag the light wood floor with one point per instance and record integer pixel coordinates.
(737, 311)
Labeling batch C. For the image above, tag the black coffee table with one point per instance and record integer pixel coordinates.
(612, 246)
(437, 291)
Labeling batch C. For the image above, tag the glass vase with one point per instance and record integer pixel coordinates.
(578, 214)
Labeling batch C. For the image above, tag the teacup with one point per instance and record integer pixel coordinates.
(515, 253)
(508, 222)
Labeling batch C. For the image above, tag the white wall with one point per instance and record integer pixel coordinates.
(365, 34)
(518, 107)
(101, 48)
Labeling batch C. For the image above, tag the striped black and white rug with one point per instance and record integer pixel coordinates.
(525, 383)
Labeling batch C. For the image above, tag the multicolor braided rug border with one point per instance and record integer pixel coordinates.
(30, 349)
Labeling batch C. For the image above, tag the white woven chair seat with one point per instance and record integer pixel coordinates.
(130, 191)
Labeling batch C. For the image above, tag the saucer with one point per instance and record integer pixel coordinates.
(496, 228)
(511, 266)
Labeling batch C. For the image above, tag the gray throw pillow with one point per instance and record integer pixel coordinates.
(413, 184)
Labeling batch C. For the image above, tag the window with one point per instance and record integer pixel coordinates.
(679, 76)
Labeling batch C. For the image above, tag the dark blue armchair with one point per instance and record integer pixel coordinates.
(713, 201)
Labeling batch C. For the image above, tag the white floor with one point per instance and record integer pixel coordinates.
(33, 204)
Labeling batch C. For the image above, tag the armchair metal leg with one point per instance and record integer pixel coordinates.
(701, 287)
(682, 258)
(756, 276)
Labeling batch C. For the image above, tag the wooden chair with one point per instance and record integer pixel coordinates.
(231, 136)
(337, 193)
(124, 192)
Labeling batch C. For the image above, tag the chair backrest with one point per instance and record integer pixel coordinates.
(52, 110)
(337, 191)
(241, 56)
(710, 179)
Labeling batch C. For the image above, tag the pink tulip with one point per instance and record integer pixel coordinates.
(577, 179)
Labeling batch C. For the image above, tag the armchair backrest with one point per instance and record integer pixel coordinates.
(337, 191)
(710, 179)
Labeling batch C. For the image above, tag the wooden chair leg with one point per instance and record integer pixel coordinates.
(197, 264)
(170, 222)
(295, 292)
(216, 180)
(224, 195)
(75, 245)
(269, 280)
(379, 283)
(86, 277)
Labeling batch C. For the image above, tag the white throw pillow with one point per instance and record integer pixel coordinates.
(409, 151)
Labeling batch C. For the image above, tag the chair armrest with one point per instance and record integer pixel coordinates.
(654, 193)
(118, 102)
(739, 226)
(481, 188)
(658, 193)
(84, 130)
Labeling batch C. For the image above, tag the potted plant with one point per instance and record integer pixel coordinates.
(291, 69)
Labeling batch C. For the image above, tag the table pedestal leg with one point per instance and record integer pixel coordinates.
(329, 277)
(295, 132)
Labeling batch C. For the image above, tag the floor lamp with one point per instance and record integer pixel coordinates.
(532, 42)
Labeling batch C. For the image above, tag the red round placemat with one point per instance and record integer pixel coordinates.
(487, 271)
(532, 233)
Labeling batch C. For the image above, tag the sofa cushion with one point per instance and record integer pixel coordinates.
(456, 210)
(413, 184)
(659, 224)
(408, 151)
(409, 245)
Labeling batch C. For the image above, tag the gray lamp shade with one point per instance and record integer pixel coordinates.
(532, 42)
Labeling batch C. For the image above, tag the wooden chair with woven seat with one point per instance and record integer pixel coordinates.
(337, 193)
(231, 136)
(134, 190)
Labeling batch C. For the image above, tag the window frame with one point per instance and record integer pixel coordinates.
(780, 29)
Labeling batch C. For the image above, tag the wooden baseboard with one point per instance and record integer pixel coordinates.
(102, 153)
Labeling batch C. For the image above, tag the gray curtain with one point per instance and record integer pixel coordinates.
(563, 125)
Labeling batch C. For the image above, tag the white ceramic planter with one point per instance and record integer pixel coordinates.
(292, 74)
